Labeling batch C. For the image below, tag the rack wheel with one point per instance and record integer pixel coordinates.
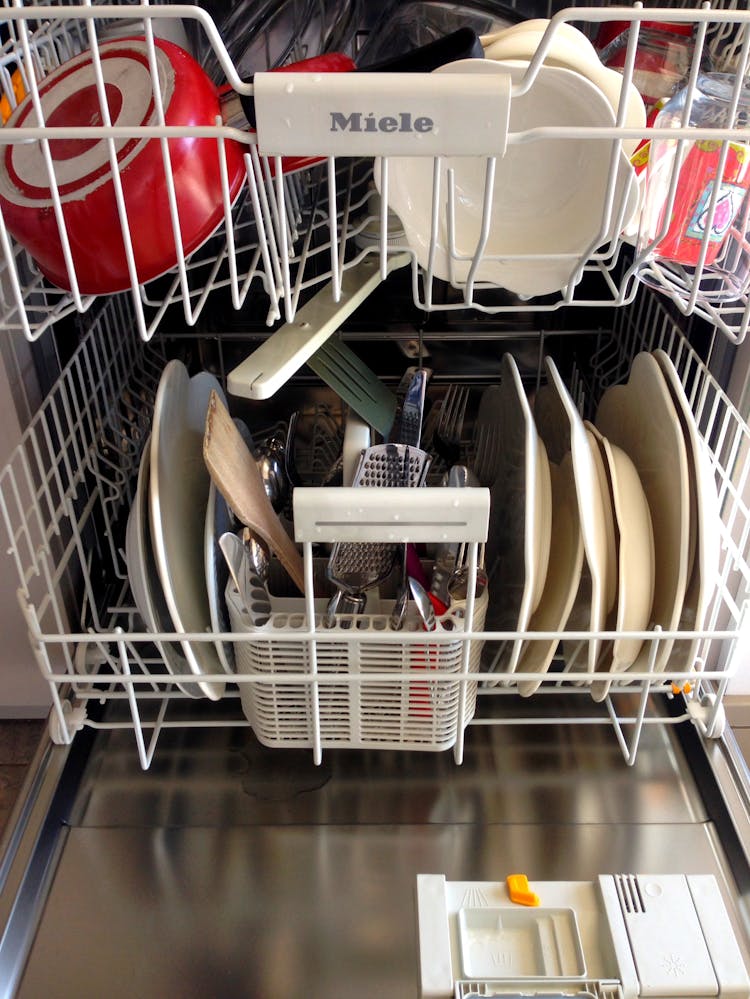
(88, 659)
(700, 713)
(74, 721)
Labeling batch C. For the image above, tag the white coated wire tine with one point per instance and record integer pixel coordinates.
(50, 169)
(254, 170)
(332, 232)
(484, 232)
(285, 239)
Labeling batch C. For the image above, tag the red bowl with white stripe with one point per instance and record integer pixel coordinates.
(83, 170)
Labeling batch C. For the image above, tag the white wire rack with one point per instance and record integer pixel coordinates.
(286, 233)
(67, 490)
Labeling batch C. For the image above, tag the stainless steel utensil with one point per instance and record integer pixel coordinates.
(357, 567)
(271, 462)
(257, 554)
(402, 599)
(447, 554)
(412, 408)
(447, 437)
(424, 605)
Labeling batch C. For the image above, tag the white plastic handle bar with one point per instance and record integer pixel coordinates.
(382, 114)
(391, 515)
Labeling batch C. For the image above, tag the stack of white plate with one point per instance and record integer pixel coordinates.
(606, 527)
(176, 571)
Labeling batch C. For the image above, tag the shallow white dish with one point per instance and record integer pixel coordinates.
(144, 579)
(218, 520)
(542, 534)
(562, 579)
(548, 195)
(517, 544)
(634, 558)
(178, 497)
(705, 520)
(641, 418)
(570, 49)
(561, 428)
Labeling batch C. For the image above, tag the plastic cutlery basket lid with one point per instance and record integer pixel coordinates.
(549, 195)
(70, 99)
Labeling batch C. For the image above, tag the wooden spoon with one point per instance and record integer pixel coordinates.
(232, 468)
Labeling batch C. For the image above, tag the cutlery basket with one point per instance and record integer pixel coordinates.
(361, 684)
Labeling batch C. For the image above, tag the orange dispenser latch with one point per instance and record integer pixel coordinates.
(519, 891)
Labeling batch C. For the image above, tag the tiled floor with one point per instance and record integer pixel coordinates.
(18, 742)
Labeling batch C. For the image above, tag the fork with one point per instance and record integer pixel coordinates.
(447, 436)
(486, 446)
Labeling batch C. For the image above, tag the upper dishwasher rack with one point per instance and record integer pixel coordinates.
(283, 233)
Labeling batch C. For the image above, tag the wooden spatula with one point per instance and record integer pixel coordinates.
(232, 468)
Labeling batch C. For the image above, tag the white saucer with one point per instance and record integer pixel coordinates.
(563, 576)
(640, 417)
(518, 540)
(561, 428)
(705, 517)
(634, 560)
(144, 578)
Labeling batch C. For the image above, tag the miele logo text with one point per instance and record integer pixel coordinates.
(358, 122)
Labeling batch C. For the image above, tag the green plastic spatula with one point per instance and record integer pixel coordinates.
(309, 340)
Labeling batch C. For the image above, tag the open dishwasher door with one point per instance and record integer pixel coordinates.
(256, 788)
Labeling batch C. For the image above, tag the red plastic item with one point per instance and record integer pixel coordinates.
(83, 171)
(698, 176)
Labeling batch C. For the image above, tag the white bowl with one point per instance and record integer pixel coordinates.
(538, 26)
(548, 196)
(570, 49)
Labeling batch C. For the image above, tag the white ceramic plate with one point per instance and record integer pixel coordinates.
(705, 519)
(607, 508)
(218, 520)
(563, 576)
(640, 418)
(572, 50)
(561, 428)
(542, 522)
(634, 559)
(178, 497)
(144, 579)
(548, 195)
(516, 540)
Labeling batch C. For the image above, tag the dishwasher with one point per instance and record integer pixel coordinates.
(382, 528)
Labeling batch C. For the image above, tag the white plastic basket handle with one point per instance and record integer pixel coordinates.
(397, 515)
(382, 114)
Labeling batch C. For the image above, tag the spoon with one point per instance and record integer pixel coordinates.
(424, 605)
(271, 462)
(257, 553)
(234, 553)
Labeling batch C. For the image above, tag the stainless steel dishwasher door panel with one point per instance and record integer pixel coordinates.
(232, 870)
(298, 911)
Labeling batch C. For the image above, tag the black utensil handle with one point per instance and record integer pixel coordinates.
(461, 44)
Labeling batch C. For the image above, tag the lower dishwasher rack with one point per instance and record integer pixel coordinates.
(66, 493)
